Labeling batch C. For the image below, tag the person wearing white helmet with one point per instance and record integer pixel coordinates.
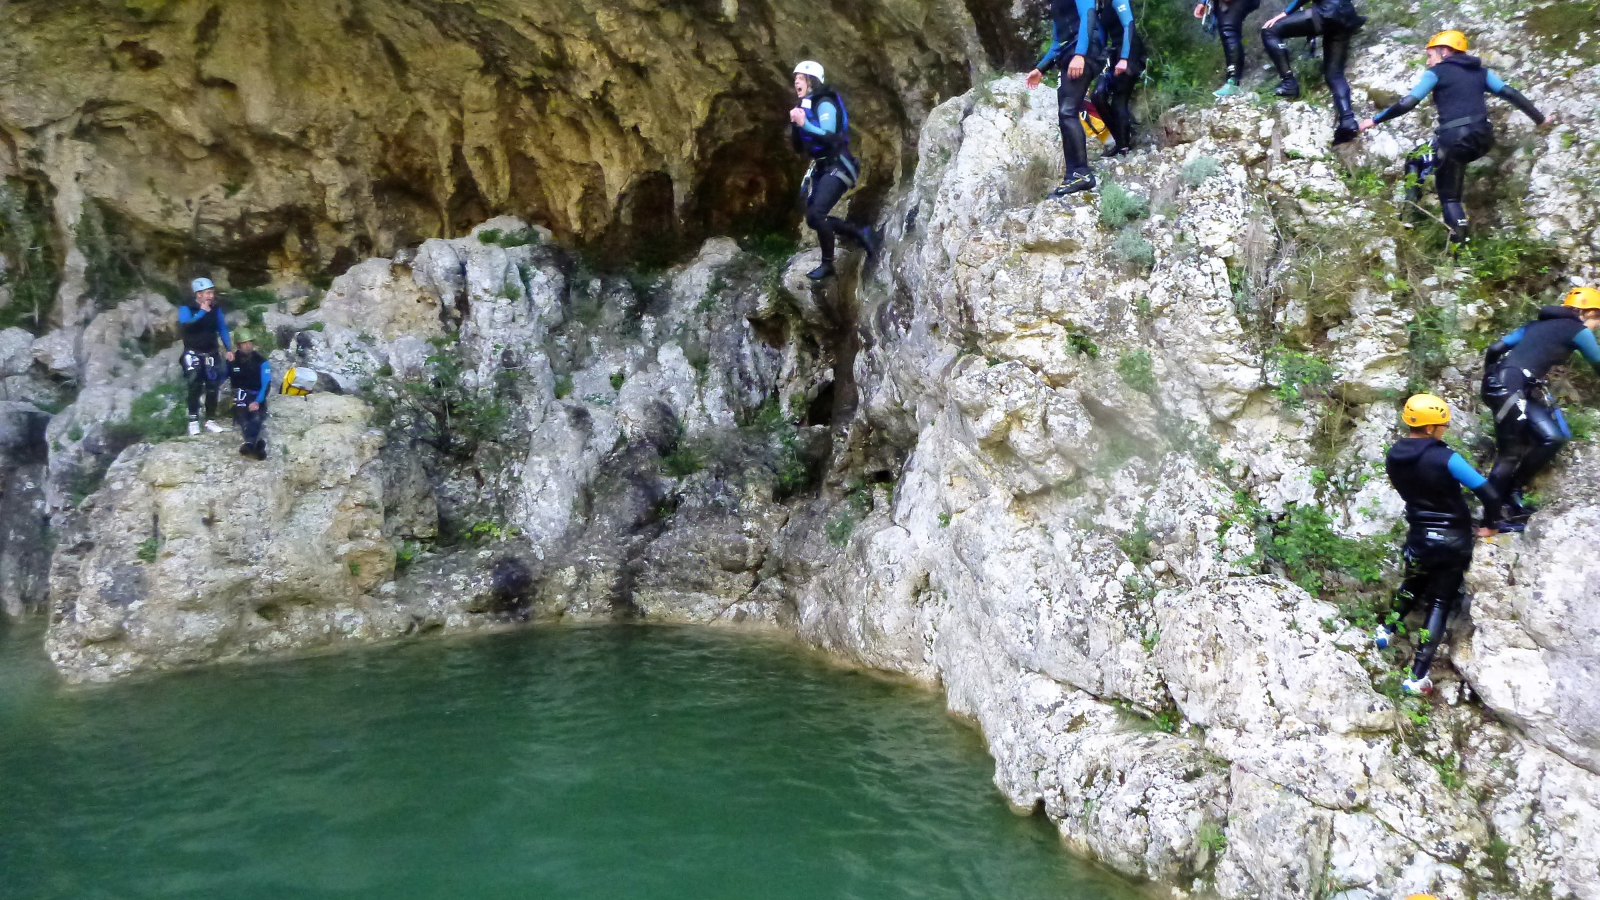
(819, 127)
(203, 327)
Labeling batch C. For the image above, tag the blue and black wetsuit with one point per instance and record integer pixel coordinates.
(1529, 430)
(1429, 476)
(1459, 85)
(825, 137)
(202, 331)
(1114, 94)
(1073, 32)
(251, 377)
(1335, 21)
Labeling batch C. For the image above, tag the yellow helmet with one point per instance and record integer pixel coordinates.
(1583, 298)
(1422, 897)
(1455, 40)
(1425, 409)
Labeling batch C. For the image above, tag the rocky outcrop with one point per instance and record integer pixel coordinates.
(285, 138)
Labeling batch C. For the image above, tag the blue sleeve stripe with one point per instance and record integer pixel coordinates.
(1494, 83)
(1587, 345)
(1465, 473)
(1425, 86)
(222, 329)
(1049, 58)
(186, 314)
(1515, 337)
(266, 381)
(1125, 16)
(1086, 17)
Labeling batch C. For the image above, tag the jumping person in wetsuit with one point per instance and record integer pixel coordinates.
(1230, 25)
(1429, 476)
(1114, 94)
(202, 325)
(1458, 83)
(820, 128)
(1335, 21)
(1528, 430)
(250, 374)
(1075, 40)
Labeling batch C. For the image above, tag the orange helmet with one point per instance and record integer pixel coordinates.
(1455, 40)
(1425, 409)
(1582, 298)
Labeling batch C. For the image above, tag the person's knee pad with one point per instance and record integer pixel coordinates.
(1548, 432)
(816, 220)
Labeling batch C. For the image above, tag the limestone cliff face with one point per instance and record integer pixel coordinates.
(308, 135)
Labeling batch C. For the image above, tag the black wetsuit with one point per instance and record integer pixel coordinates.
(1459, 84)
(1429, 476)
(825, 137)
(1336, 22)
(1230, 26)
(251, 377)
(202, 330)
(1529, 430)
(1073, 32)
(1114, 94)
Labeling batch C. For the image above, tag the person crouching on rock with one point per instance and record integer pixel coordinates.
(1458, 83)
(1336, 22)
(203, 327)
(1075, 38)
(1114, 95)
(1429, 476)
(1529, 430)
(820, 128)
(251, 376)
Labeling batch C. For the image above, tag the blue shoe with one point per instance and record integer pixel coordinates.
(1227, 90)
(1383, 637)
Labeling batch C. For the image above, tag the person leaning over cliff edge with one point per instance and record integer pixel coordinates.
(1458, 83)
(1114, 94)
(1230, 25)
(1336, 22)
(203, 326)
(1074, 21)
(1429, 476)
(819, 127)
(250, 375)
(1529, 431)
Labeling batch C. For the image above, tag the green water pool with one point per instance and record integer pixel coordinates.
(614, 762)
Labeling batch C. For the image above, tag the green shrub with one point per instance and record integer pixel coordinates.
(1197, 170)
(1118, 206)
(1135, 545)
(508, 239)
(683, 461)
(1130, 247)
(1081, 343)
(26, 240)
(1301, 377)
(1137, 371)
(1308, 548)
(440, 410)
(157, 415)
(617, 380)
(1184, 63)
(148, 549)
(563, 386)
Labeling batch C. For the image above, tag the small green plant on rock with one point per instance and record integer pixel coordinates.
(1301, 377)
(1137, 371)
(1197, 170)
(1131, 248)
(1118, 206)
(1081, 343)
(148, 549)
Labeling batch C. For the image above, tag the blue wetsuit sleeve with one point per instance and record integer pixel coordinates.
(1293, 5)
(1512, 96)
(1054, 53)
(1125, 16)
(222, 331)
(187, 314)
(1086, 19)
(1515, 337)
(266, 381)
(1588, 346)
(1406, 104)
(1465, 473)
(1494, 82)
(1425, 86)
(827, 120)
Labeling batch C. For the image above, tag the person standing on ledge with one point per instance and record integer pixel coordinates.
(1230, 25)
(820, 128)
(1075, 39)
(1429, 476)
(1529, 430)
(203, 326)
(1114, 96)
(1458, 83)
(250, 374)
(1336, 22)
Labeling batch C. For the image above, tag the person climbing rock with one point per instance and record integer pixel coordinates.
(1230, 16)
(1075, 39)
(1458, 83)
(1113, 95)
(1429, 476)
(250, 375)
(1529, 430)
(203, 326)
(1336, 22)
(819, 127)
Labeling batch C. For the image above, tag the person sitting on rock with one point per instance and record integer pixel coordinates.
(1072, 25)
(1529, 430)
(1336, 22)
(251, 376)
(1458, 83)
(1429, 476)
(820, 128)
(203, 327)
(1113, 96)
(1230, 25)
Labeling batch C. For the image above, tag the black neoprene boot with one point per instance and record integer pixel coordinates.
(1288, 88)
(823, 271)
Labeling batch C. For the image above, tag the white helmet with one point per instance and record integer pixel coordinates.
(814, 69)
(201, 284)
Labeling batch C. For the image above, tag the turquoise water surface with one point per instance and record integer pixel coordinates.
(613, 762)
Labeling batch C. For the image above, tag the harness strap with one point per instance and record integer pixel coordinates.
(1462, 122)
